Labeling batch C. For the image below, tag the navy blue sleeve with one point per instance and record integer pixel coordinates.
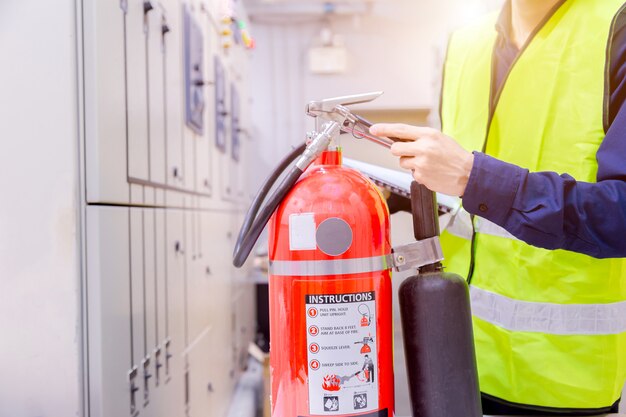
(555, 211)
(549, 210)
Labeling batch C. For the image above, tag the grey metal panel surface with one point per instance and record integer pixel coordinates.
(105, 102)
(109, 310)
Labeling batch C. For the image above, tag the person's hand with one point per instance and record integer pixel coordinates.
(436, 160)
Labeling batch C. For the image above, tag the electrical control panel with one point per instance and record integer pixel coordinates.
(167, 325)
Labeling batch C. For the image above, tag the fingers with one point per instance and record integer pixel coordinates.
(410, 163)
(406, 162)
(434, 159)
(404, 149)
(399, 130)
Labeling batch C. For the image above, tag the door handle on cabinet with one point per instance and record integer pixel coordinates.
(178, 248)
(147, 6)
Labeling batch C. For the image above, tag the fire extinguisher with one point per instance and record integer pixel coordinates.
(331, 348)
(329, 251)
(328, 248)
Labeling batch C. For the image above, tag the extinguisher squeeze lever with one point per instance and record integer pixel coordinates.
(425, 218)
(335, 109)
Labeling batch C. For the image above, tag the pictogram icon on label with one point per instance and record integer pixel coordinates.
(342, 350)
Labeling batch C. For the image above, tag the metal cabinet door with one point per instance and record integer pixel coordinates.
(237, 143)
(174, 334)
(155, 32)
(245, 323)
(109, 343)
(137, 304)
(204, 142)
(199, 291)
(173, 98)
(216, 238)
(137, 91)
(163, 231)
(194, 90)
(150, 303)
(204, 183)
(161, 307)
(105, 102)
(199, 391)
(222, 129)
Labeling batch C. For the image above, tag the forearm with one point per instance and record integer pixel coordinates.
(549, 210)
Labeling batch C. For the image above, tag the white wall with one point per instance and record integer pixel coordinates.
(398, 48)
(39, 251)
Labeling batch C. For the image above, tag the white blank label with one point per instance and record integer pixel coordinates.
(302, 232)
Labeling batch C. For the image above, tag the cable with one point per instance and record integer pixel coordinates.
(253, 225)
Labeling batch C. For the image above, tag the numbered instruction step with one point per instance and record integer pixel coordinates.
(342, 354)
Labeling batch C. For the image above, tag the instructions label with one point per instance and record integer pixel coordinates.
(342, 354)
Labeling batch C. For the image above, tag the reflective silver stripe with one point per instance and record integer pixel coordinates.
(458, 222)
(330, 267)
(487, 227)
(561, 319)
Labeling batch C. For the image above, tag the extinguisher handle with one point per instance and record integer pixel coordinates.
(425, 214)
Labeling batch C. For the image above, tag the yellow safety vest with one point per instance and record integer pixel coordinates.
(549, 326)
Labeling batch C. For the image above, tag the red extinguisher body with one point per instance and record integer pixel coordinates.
(331, 349)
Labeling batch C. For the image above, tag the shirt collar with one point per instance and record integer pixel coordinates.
(504, 26)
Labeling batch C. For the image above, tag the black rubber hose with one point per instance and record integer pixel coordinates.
(250, 238)
(253, 225)
(265, 189)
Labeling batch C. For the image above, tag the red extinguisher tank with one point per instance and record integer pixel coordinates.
(331, 351)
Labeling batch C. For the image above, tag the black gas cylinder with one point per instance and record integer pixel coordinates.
(437, 330)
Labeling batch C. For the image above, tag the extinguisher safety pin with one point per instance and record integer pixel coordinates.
(417, 254)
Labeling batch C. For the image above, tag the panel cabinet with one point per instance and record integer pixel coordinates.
(110, 355)
(137, 90)
(217, 243)
(156, 30)
(105, 102)
(199, 390)
(198, 280)
(167, 322)
(172, 45)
